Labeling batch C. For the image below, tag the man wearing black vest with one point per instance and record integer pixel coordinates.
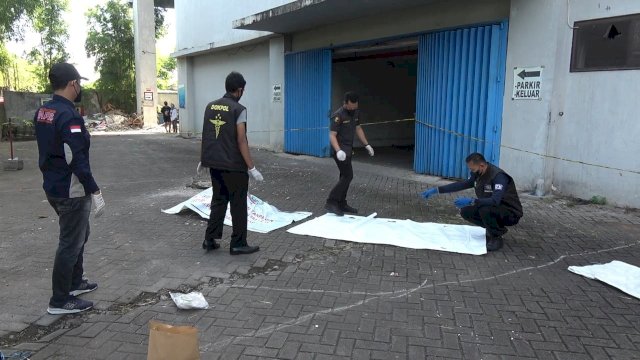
(225, 151)
(345, 124)
(497, 205)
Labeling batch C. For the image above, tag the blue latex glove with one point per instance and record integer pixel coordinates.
(462, 202)
(429, 193)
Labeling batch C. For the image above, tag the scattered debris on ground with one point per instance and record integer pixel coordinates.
(114, 120)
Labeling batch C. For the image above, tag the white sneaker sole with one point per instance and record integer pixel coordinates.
(58, 311)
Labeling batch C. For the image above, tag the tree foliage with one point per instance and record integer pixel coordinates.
(53, 38)
(166, 66)
(13, 17)
(44, 17)
(16, 73)
(110, 40)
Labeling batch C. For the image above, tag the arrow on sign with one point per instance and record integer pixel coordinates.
(524, 74)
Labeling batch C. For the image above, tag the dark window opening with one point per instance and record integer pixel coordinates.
(606, 44)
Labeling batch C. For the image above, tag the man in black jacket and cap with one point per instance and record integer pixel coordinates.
(497, 205)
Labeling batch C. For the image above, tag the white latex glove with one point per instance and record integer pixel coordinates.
(369, 149)
(341, 155)
(98, 204)
(255, 174)
(199, 169)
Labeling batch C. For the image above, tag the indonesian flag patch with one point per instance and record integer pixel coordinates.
(75, 128)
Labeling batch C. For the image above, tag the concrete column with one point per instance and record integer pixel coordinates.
(145, 51)
(528, 125)
(276, 77)
(190, 117)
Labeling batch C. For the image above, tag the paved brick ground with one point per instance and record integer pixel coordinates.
(304, 297)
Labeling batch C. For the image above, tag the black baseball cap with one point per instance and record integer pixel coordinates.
(61, 73)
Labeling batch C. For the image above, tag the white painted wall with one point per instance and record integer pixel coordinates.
(599, 109)
(208, 85)
(203, 22)
(533, 29)
(188, 115)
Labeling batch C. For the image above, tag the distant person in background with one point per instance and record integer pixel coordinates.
(166, 115)
(174, 118)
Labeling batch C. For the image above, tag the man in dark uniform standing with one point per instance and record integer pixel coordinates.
(345, 124)
(63, 146)
(497, 205)
(166, 116)
(225, 151)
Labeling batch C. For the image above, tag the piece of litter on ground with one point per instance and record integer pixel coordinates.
(192, 300)
(616, 273)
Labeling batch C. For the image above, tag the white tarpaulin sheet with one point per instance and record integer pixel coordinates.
(261, 217)
(616, 273)
(462, 239)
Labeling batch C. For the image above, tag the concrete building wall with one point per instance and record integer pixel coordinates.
(441, 15)
(203, 24)
(208, 85)
(22, 105)
(532, 41)
(583, 117)
(276, 77)
(600, 124)
(171, 97)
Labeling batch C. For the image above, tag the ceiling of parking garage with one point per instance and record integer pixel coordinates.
(306, 14)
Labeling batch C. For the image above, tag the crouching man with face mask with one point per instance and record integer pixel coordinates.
(497, 205)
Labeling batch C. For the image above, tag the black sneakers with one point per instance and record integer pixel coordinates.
(72, 306)
(84, 287)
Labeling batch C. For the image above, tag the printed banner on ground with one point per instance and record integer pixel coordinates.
(462, 239)
(618, 274)
(262, 217)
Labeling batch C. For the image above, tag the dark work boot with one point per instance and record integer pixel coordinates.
(334, 209)
(244, 250)
(494, 243)
(348, 209)
(210, 245)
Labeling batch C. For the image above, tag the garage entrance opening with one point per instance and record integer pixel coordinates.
(384, 74)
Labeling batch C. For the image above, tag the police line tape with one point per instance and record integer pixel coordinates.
(461, 135)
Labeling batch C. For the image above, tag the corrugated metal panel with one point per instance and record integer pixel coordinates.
(307, 97)
(459, 98)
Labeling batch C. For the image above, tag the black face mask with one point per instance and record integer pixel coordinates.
(79, 95)
(351, 112)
